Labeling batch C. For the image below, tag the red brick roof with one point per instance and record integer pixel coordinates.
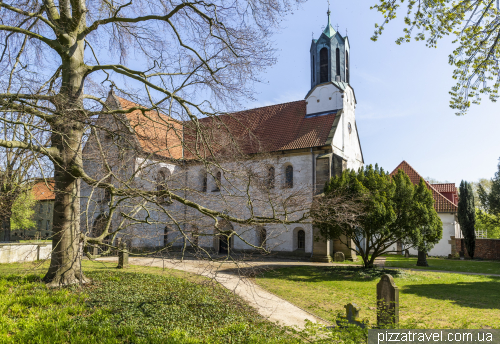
(441, 203)
(271, 128)
(44, 190)
(266, 129)
(447, 187)
(157, 133)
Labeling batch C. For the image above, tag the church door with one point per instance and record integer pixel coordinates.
(224, 244)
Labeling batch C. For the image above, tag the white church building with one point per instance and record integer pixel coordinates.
(306, 142)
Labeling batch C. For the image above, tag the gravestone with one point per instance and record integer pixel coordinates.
(387, 302)
(351, 316)
(122, 256)
(339, 257)
(407, 253)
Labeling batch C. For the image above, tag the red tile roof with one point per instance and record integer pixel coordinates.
(157, 133)
(447, 187)
(266, 129)
(44, 190)
(441, 203)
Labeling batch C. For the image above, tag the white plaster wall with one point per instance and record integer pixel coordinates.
(347, 144)
(18, 253)
(443, 247)
(324, 98)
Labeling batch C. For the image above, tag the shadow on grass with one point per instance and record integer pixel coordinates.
(330, 273)
(481, 294)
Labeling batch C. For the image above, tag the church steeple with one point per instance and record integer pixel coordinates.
(329, 57)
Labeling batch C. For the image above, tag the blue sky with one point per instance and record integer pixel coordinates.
(402, 93)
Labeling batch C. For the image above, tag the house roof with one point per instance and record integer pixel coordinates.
(44, 190)
(441, 203)
(265, 129)
(156, 133)
(445, 187)
(275, 128)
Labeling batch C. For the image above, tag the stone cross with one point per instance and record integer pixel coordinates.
(387, 302)
(351, 316)
(351, 311)
(122, 256)
(339, 257)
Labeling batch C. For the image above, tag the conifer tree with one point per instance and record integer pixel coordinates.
(467, 216)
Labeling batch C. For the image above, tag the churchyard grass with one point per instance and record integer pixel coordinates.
(444, 264)
(136, 305)
(426, 299)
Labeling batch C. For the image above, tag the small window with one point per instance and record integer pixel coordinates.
(301, 240)
(337, 61)
(347, 66)
(270, 178)
(39, 224)
(195, 236)
(107, 196)
(47, 225)
(262, 236)
(218, 181)
(161, 186)
(289, 176)
(165, 236)
(204, 181)
(323, 65)
(313, 71)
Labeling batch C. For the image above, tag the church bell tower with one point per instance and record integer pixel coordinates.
(329, 57)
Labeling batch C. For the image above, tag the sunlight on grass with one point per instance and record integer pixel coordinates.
(444, 264)
(427, 300)
(135, 305)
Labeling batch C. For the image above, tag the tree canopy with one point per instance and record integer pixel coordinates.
(391, 210)
(475, 28)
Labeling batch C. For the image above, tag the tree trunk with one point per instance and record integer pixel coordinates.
(67, 133)
(422, 258)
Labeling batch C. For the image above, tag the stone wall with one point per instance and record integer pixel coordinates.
(485, 248)
(19, 253)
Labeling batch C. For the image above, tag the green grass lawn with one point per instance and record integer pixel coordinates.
(427, 300)
(486, 267)
(136, 305)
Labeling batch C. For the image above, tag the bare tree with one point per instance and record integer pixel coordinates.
(177, 66)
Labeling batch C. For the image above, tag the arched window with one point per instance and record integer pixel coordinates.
(347, 66)
(323, 65)
(218, 181)
(262, 236)
(165, 236)
(301, 240)
(204, 181)
(270, 178)
(313, 71)
(337, 61)
(195, 236)
(289, 176)
(161, 186)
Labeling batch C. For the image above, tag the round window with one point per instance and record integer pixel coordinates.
(349, 127)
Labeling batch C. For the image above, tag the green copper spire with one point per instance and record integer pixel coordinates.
(329, 30)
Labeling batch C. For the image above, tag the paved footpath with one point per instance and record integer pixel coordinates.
(235, 277)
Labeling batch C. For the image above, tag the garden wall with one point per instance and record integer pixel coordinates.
(18, 253)
(485, 248)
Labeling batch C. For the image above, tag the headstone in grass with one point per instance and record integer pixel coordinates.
(351, 316)
(407, 253)
(387, 302)
(122, 256)
(339, 257)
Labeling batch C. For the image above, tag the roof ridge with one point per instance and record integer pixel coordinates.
(266, 106)
(426, 182)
